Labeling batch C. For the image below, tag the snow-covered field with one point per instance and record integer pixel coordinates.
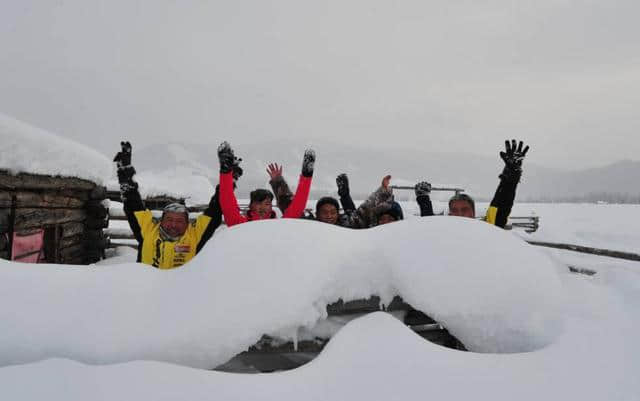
(132, 332)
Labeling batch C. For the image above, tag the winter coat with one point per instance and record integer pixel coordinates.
(231, 211)
(367, 214)
(153, 248)
(284, 196)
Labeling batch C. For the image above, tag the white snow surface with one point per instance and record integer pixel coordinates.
(270, 276)
(27, 149)
(59, 312)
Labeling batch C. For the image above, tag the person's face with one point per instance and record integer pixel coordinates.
(385, 218)
(461, 208)
(262, 209)
(175, 224)
(328, 213)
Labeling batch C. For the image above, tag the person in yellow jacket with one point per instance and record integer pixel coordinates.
(172, 240)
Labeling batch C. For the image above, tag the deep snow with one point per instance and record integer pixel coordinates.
(27, 149)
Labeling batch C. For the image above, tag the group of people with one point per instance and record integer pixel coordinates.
(173, 240)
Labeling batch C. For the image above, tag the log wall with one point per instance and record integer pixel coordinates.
(70, 210)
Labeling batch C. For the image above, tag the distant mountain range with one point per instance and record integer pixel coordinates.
(478, 175)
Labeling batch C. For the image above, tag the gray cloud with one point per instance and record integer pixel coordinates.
(439, 76)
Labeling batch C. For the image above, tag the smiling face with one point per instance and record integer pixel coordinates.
(386, 219)
(328, 213)
(174, 223)
(263, 208)
(461, 208)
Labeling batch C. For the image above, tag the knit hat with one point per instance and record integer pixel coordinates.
(260, 195)
(176, 208)
(327, 200)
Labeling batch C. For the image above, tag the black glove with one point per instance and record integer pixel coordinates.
(513, 156)
(343, 185)
(123, 160)
(226, 157)
(307, 162)
(236, 169)
(422, 189)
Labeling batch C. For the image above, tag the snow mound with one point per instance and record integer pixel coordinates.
(489, 288)
(27, 149)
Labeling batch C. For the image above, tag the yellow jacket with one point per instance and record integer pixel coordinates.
(165, 254)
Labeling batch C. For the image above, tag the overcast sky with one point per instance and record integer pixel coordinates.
(458, 76)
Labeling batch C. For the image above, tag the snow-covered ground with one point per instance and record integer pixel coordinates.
(101, 333)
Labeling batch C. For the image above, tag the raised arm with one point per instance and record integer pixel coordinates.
(279, 186)
(228, 201)
(131, 199)
(422, 190)
(299, 202)
(378, 202)
(500, 207)
(342, 181)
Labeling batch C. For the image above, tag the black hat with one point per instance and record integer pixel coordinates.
(260, 195)
(327, 200)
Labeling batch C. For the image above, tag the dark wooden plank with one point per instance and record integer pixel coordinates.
(47, 200)
(589, 250)
(29, 218)
(365, 306)
(98, 193)
(96, 209)
(32, 181)
(93, 223)
(72, 253)
(5, 220)
(70, 241)
(72, 229)
(5, 199)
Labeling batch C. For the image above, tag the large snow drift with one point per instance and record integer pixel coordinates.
(27, 149)
(493, 291)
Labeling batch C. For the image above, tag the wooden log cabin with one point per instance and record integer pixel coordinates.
(51, 219)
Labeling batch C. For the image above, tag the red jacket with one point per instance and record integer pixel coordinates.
(231, 211)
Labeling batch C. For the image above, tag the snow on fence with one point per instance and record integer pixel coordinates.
(273, 354)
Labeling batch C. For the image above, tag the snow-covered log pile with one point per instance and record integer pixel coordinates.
(52, 205)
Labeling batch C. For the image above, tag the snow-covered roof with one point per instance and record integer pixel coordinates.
(27, 149)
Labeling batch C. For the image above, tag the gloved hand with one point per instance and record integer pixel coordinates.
(308, 162)
(226, 157)
(343, 185)
(422, 189)
(123, 161)
(513, 157)
(236, 169)
(123, 158)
